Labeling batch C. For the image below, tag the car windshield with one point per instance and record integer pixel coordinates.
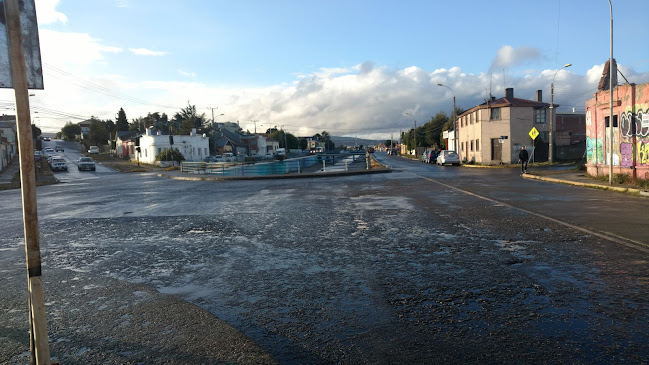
(85, 159)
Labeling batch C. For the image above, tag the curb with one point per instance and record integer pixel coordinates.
(275, 177)
(632, 191)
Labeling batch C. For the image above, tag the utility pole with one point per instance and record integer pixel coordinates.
(551, 135)
(39, 344)
(610, 119)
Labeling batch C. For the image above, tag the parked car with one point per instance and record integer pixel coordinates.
(93, 149)
(86, 163)
(431, 157)
(58, 148)
(448, 157)
(58, 164)
(37, 155)
(228, 157)
(209, 159)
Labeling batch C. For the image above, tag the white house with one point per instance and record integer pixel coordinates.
(194, 147)
(8, 140)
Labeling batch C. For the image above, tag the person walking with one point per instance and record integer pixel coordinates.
(523, 156)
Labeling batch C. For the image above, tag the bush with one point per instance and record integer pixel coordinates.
(170, 155)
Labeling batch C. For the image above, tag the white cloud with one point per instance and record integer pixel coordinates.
(509, 56)
(146, 52)
(46, 12)
(187, 74)
(121, 3)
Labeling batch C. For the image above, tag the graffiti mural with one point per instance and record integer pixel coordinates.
(637, 124)
(643, 153)
(594, 150)
(626, 150)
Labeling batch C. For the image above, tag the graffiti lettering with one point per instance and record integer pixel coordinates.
(626, 150)
(594, 150)
(633, 124)
(643, 153)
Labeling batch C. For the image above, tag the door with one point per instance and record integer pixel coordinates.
(496, 150)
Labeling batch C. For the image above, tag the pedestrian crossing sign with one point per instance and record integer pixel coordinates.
(534, 133)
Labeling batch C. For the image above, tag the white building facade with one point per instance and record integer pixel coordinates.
(194, 147)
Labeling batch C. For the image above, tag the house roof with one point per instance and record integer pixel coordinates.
(507, 102)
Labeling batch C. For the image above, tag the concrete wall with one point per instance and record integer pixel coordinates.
(630, 150)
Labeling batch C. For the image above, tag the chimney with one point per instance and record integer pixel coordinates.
(148, 131)
(509, 93)
(493, 98)
(539, 96)
(193, 132)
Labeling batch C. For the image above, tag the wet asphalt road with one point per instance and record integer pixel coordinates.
(390, 268)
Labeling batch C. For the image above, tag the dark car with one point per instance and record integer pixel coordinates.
(58, 148)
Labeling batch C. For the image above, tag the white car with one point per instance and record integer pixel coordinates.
(93, 149)
(448, 157)
(58, 164)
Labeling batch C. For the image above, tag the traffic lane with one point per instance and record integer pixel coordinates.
(371, 269)
(622, 215)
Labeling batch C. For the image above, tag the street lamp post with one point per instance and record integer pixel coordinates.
(455, 133)
(610, 119)
(550, 152)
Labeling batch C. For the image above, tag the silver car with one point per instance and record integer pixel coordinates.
(86, 163)
(447, 157)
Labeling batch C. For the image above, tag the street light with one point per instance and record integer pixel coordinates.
(550, 153)
(610, 123)
(455, 133)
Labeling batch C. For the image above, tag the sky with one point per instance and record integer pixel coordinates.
(355, 68)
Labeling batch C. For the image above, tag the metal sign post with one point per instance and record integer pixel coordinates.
(38, 325)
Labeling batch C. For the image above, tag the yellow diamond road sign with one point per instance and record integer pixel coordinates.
(534, 133)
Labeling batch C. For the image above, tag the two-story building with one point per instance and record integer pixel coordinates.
(494, 132)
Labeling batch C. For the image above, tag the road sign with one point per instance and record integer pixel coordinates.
(31, 47)
(534, 133)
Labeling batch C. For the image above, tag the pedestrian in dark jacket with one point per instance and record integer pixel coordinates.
(522, 158)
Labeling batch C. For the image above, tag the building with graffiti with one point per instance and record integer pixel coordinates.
(630, 142)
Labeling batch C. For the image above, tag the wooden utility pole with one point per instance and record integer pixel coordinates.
(38, 325)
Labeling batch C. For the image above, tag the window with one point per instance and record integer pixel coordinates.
(495, 113)
(539, 115)
(145, 151)
(206, 151)
(159, 150)
(477, 145)
(477, 118)
(471, 117)
(471, 146)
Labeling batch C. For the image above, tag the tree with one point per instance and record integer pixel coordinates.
(170, 155)
(70, 131)
(189, 119)
(122, 122)
(36, 132)
(98, 134)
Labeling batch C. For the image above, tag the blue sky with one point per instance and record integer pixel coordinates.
(349, 67)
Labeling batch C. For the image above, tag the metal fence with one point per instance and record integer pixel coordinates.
(322, 163)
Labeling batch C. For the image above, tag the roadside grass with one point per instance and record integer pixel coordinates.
(622, 179)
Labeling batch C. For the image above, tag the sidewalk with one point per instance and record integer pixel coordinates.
(578, 178)
(10, 170)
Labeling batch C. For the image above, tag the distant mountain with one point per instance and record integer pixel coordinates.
(353, 141)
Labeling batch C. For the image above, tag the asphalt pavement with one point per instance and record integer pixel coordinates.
(423, 265)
